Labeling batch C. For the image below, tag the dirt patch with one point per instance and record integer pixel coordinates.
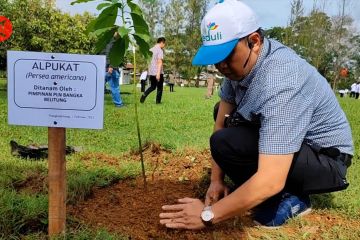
(101, 158)
(127, 208)
(35, 183)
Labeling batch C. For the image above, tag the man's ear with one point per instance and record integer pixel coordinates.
(254, 41)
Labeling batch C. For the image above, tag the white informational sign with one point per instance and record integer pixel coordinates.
(55, 89)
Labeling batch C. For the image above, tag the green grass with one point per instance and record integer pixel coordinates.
(183, 120)
(81, 233)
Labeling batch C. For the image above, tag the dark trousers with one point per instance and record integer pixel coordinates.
(155, 84)
(143, 83)
(171, 86)
(235, 150)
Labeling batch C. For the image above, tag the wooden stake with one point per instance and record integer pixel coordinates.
(57, 181)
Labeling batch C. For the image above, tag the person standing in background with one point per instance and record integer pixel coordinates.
(210, 82)
(353, 90)
(357, 90)
(112, 77)
(171, 82)
(143, 78)
(156, 71)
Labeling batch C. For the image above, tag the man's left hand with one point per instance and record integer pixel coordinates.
(184, 215)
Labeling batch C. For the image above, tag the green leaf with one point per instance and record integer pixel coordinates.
(140, 25)
(118, 50)
(145, 37)
(143, 45)
(102, 30)
(134, 7)
(80, 1)
(90, 26)
(149, 1)
(104, 40)
(106, 18)
(123, 31)
(102, 5)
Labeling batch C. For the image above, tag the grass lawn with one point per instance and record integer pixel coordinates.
(183, 120)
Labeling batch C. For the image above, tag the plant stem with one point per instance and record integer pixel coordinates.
(137, 123)
(122, 15)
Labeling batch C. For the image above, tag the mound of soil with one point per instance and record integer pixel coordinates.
(127, 208)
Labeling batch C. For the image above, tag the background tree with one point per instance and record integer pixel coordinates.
(154, 15)
(355, 56)
(341, 37)
(39, 27)
(323, 41)
(174, 30)
(297, 11)
(195, 11)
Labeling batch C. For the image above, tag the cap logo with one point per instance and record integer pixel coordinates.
(211, 26)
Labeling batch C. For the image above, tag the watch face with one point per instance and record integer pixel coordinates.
(207, 215)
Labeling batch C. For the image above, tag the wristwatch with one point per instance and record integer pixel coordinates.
(207, 216)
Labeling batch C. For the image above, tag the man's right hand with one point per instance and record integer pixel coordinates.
(215, 192)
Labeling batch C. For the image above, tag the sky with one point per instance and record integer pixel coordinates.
(271, 13)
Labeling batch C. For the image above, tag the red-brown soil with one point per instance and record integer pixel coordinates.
(128, 209)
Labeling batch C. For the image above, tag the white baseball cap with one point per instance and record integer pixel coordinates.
(221, 28)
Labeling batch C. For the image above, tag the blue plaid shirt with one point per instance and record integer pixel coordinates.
(291, 100)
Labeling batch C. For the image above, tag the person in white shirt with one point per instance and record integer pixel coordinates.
(143, 79)
(353, 90)
(357, 90)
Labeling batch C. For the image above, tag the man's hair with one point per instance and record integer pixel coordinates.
(261, 32)
(161, 39)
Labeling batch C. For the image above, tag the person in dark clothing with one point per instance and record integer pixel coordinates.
(156, 71)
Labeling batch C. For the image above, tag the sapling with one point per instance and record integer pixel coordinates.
(132, 31)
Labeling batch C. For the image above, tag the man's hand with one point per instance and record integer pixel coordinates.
(215, 192)
(184, 215)
(158, 77)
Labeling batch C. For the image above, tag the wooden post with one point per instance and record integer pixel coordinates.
(57, 181)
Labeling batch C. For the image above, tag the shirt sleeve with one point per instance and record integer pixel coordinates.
(285, 117)
(227, 92)
(160, 54)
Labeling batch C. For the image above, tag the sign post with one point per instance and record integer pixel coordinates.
(57, 181)
(57, 91)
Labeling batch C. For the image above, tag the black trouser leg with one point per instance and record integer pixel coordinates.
(153, 84)
(160, 86)
(235, 150)
(142, 85)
